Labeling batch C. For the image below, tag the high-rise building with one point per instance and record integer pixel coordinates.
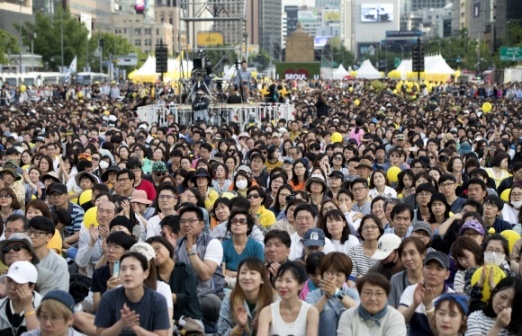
(98, 11)
(252, 21)
(270, 26)
(232, 23)
(421, 4)
(15, 12)
(143, 35)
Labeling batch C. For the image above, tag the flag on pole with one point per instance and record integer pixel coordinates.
(71, 70)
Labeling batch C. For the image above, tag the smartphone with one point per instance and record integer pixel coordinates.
(116, 269)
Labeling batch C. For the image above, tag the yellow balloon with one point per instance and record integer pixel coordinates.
(85, 197)
(90, 218)
(79, 95)
(357, 102)
(486, 107)
(394, 91)
(498, 274)
(336, 137)
(393, 174)
(23, 88)
(350, 89)
(505, 195)
(511, 236)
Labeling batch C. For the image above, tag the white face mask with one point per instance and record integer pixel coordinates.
(241, 184)
(493, 258)
(104, 164)
(516, 204)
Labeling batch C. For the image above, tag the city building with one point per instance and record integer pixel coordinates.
(14, 12)
(270, 26)
(143, 35)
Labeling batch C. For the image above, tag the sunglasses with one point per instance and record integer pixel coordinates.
(253, 196)
(159, 173)
(16, 248)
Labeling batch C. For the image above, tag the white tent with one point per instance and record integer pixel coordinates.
(340, 72)
(439, 66)
(367, 71)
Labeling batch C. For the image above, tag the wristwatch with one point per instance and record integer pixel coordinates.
(193, 251)
(340, 295)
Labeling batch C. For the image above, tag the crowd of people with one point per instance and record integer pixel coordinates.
(381, 208)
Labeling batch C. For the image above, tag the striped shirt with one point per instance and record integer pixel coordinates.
(361, 262)
(76, 212)
(479, 325)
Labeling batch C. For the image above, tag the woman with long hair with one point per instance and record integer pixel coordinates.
(502, 315)
(338, 162)
(411, 253)
(290, 315)
(299, 175)
(179, 276)
(369, 231)
(499, 168)
(263, 217)
(379, 185)
(439, 210)
(276, 181)
(405, 185)
(280, 200)
(240, 310)
(336, 228)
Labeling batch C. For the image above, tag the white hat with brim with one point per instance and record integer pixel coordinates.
(22, 272)
(388, 243)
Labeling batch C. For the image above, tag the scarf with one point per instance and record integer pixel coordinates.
(365, 315)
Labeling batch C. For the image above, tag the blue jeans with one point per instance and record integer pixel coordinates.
(328, 320)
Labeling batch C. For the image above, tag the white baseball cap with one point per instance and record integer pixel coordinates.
(22, 272)
(388, 243)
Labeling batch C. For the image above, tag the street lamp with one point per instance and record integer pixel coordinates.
(21, 41)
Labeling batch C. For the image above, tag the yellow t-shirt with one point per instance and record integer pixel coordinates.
(271, 166)
(266, 217)
(56, 242)
(212, 196)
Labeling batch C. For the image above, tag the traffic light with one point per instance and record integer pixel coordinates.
(417, 58)
(161, 59)
(101, 43)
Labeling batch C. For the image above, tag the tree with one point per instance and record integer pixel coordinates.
(49, 36)
(262, 59)
(8, 44)
(113, 45)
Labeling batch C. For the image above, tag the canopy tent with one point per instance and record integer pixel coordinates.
(340, 72)
(367, 71)
(435, 69)
(439, 70)
(147, 72)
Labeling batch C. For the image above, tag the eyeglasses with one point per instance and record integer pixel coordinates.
(499, 251)
(253, 196)
(447, 184)
(188, 221)
(369, 294)
(337, 158)
(159, 173)
(370, 228)
(123, 179)
(35, 233)
(5, 196)
(112, 247)
(516, 194)
(424, 194)
(358, 189)
(166, 197)
(240, 221)
(16, 248)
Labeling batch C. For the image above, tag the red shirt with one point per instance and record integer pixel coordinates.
(148, 187)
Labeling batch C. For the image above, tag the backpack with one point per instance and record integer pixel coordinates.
(79, 286)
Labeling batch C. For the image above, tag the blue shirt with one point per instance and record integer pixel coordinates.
(232, 259)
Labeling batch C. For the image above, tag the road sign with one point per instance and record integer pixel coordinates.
(396, 62)
(513, 54)
(126, 61)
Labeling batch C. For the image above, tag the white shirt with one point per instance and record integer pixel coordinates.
(296, 249)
